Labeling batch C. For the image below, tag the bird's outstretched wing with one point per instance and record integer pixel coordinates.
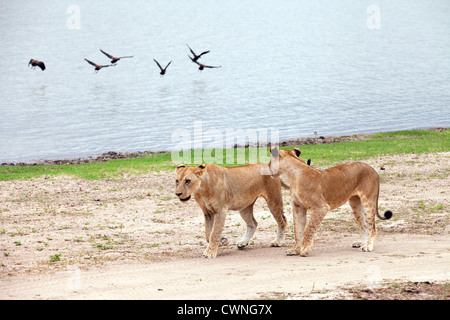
(197, 56)
(192, 51)
(212, 66)
(90, 62)
(168, 64)
(126, 57)
(158, 64)
(107, 54)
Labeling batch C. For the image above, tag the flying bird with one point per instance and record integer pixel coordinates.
(163, 70)
(35, 63)
(203, 66)
(114, 59)
(196, 57)
(97, 66)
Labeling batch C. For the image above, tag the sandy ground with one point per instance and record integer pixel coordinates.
(130, 238)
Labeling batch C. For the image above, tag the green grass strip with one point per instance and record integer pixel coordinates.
(322, 155)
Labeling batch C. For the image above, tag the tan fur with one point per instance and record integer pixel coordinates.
(322, 191)
(217, 189)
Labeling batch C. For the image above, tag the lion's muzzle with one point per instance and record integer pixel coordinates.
(181, 199)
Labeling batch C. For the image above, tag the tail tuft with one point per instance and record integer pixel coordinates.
(388, 214)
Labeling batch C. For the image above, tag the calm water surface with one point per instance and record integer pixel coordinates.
(294, 66)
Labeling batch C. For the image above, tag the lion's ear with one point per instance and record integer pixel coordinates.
(200, 170)
(297, 152)
(179, 167)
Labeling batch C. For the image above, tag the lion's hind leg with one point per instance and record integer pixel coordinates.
(370, 210)
(276, 208)
(363, 209)
(247, 216)
(358, 212)
(315, 218)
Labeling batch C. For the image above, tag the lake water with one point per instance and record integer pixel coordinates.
(334, 67)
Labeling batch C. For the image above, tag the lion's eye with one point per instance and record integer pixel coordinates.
(176, 181)
(188, 181)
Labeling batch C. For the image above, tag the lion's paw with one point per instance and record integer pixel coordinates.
(223, 241)
(366, 248)
(356, 244)
(276, 243)
(304, 251)
(292, 252)
(242, 244)
(209, 254)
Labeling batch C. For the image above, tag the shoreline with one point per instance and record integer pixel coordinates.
(113, 155)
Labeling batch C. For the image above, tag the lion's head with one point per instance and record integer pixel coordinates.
(188, 180)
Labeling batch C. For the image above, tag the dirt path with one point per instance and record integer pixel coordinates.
(246, 274)
(64, 238)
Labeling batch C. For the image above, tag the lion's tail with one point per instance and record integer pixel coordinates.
(387, 215)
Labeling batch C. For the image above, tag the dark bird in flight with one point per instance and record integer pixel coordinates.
(114, 59)
(203, 66)
(97, 66)
(35, 63)
(196, 57)
(163, 70)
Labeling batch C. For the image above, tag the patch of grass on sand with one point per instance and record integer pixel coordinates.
(97, 170)
(413, 141)
(388, 143)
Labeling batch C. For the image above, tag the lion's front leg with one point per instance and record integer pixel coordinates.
(209, 222)
(215, 235)
(299, 215)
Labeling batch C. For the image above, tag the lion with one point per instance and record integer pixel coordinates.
(321, 191)
(217, 189)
